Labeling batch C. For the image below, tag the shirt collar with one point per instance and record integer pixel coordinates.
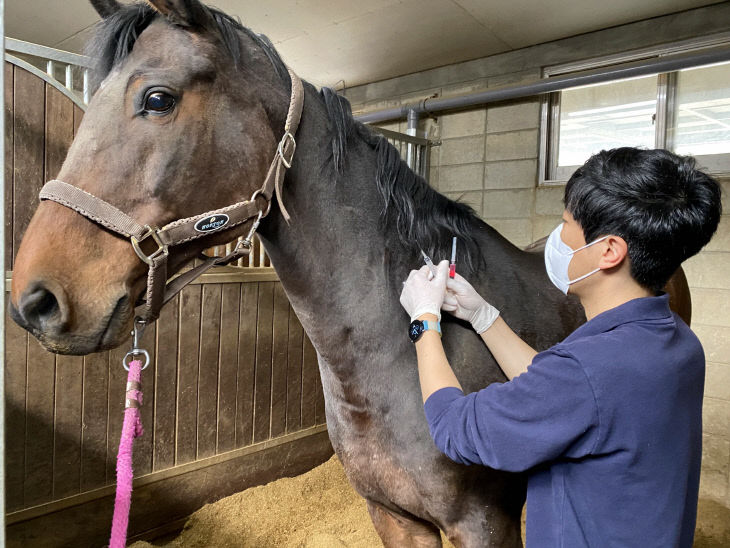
(644, 308)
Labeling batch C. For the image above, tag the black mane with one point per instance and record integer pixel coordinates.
(415, 214)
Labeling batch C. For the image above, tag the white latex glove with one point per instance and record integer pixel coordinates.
(465, 303)
(423, 293)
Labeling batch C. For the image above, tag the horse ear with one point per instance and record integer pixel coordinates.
(105, 8)
(186, 13)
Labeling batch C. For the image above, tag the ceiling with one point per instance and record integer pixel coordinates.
(360, 41)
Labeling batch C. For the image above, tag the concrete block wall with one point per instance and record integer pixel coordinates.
(488, 158)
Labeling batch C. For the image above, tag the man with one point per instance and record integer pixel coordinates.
(608, 422)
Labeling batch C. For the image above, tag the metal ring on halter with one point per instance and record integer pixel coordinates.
(255, 195)
(136, 352)
(282, 144)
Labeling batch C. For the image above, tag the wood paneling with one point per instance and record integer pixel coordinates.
(210, 327)
(279, 361)
(187, 375)
(155, 504)
(294, 375)
(166, 387)
(246, 363)
(230, 366)
(262, 384)
(28, 149)
(95, 403)
(16, 344)
(310, 378)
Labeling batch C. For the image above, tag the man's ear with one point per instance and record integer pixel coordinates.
(185, 13)
(615, 250)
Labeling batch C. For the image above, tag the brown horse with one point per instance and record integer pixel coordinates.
(186, 120)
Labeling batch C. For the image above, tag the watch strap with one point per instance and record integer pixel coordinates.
(432, 326)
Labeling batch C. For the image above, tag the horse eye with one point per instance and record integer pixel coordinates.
(159, 102)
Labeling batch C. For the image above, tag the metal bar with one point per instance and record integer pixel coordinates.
(87, 91)
(69, 77)
(2, 293)
(45, 52)
(670, 108)
(660, 115)
(49, 69)
(46, 78)
(549, 85)
(399, 137)
(411, 130)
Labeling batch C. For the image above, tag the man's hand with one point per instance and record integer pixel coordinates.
(465, 303)
(422, 295)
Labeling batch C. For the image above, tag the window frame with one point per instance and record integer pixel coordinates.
(549, 172)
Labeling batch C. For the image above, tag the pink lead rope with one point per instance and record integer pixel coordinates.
(132, 429)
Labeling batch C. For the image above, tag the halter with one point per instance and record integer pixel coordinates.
(159, 291)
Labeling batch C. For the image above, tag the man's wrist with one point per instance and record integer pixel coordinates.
(428, 317)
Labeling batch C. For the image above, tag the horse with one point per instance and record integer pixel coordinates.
(188, 111)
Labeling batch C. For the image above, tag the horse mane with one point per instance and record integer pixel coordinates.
(414, 214)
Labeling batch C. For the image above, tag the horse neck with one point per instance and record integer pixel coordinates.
(331, 257)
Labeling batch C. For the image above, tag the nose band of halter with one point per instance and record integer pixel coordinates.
(159, 291)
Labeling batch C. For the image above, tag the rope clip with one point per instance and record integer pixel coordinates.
(139, 326)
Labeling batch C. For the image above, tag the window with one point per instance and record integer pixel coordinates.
(687, 112)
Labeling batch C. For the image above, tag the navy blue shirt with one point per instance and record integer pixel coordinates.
(608, 423)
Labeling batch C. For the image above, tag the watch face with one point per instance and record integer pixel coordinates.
(415, 330)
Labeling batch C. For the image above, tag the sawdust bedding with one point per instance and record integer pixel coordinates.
(320, 509)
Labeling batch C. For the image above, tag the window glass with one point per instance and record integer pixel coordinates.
(604, 116)
(702, 115)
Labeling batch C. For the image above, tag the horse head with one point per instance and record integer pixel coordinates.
(185, 120)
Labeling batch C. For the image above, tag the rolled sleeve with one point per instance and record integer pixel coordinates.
(548, 412)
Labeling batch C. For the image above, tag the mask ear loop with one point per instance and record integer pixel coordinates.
(584, 276)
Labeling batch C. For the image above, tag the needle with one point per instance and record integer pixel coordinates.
(429, 263)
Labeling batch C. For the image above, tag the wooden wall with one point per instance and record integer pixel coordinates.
(232, 374)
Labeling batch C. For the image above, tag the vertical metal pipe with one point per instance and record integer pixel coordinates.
(2, 293)
(69, 77)
(49, 68)
(87, 93)
(412, 129)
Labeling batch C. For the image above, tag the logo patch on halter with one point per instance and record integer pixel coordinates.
(214, 222)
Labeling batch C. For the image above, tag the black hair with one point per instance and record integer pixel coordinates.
(660, 203)
(414, 215)
(115, 36)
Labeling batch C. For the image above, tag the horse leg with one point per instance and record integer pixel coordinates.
(398, 531)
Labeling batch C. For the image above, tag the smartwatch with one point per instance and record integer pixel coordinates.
(417, 328)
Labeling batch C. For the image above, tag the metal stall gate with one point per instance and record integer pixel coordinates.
(232, 397)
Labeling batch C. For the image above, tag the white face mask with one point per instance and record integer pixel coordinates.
(558, 255)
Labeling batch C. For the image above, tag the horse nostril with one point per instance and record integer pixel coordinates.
(40, 309)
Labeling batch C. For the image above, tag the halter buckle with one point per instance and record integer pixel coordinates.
(282, 145)
(161, 247)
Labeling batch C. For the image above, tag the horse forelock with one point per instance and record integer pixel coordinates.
(115, 36)
(414, 214)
